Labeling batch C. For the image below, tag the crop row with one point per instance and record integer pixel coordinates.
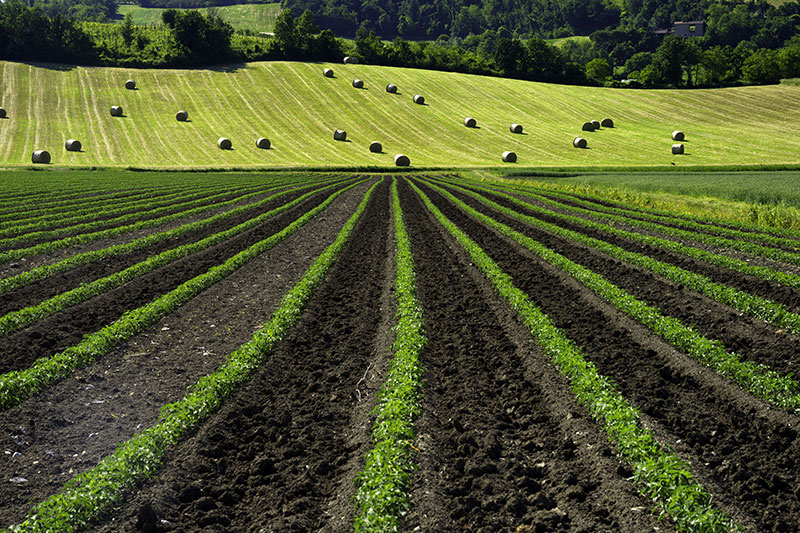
(97, 215)
(94, 490)
(763, 308)
(49, 246)
(73, 261)
(121, 223)
(661, 475)
(382, 494)
(760, 380)
(15, 386)
(599, 201)
(660, 220)
(766, 273)
(23, 317)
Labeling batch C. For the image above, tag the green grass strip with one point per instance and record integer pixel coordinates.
(762, 381)
(146, 209)
(84, 238)
(17, 385)
(662, 476)
(74, 261)
(768, 310)
(54, 202)
(382, 487)
(73, 219)
(766, 273)
(89, 493)
(26, 316)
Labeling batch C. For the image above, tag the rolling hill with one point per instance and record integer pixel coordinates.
(298, 109)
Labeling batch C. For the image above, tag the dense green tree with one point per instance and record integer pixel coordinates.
(674, 61)
(598, 70)
(762, 67)
(203, 39)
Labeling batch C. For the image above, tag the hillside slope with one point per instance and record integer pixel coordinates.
(297, 109)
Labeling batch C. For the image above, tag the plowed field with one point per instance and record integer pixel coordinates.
(214, 363)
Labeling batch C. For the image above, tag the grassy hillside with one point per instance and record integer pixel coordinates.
(254, 17)
(297, 109)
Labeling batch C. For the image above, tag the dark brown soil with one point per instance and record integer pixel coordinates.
(276, 454)
(67, 327)
(71, 425)
(496, 451)
(751, 452)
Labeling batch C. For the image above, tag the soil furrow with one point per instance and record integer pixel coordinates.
(766, 289)
(747, 336)
(748, 450)
(503, 444)
(55, 333)
(71, 425)
(276, 454)
(36, 292)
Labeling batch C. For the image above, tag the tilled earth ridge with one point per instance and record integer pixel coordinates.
(38, 291)
(23, 264)
(749, 337)
(766, 289)
(503, 444)
(750, 451)
(275, 454)
(68, 427)
(67, 327)
(147, 216)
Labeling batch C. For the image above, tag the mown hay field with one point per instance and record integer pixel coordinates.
(298, 109)
(253, 17)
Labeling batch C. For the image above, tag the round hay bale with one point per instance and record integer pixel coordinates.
(419, 99)
(579, 142)
(339, 135)
(375, 147)
(224, 143)
(596, 124)
(401, 160)
(391, 88)
(470, 122)
(181, 116)
(607, 123)
(678, 135)
(2, 113)
(130, 85)
(328, 72)
(509, 157)
(350, 60)
(263, 143)
(40, 156)
(587, 126)
(72, 145)
(358, 84)
(515, 128)
(116, 111)
(677, 149)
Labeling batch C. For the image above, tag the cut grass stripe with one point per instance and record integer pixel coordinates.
(89, 493)
(773, 312)
(17, 385)
(74, 261)
(26, 316)
(760, 380)
(661, 475)
(382, 486)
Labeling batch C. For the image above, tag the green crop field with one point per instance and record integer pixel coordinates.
(298, 109)
(253, 17)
